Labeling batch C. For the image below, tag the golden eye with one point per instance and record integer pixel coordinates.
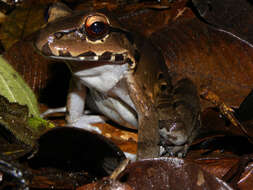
(96, 26)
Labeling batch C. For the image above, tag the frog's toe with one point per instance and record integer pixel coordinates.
(176, 151)
(52, 111)
(85, 122)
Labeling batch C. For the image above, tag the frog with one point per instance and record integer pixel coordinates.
(123, 76)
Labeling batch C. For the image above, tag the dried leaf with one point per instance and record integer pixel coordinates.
(219, 166)
(246, 181)
(211, 59)
(13, 87)
(234, 17)
(169, 173)
(106, 184)
(20, 23)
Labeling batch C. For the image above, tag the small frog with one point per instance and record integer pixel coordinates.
(124, 77)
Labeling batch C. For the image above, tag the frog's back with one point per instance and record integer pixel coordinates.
(212, 59)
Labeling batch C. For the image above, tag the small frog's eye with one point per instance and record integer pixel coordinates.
(96, 26)
(58, 35)
(131, 64)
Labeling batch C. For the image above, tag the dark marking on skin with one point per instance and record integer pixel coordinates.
(65, 54)
(119, 57)
(89, 53)
(105, 56)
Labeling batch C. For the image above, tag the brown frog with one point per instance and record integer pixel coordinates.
(123, 76)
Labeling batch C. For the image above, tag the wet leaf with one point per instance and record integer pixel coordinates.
(246, 179)
(199, 52)
(110, 182)
(106, 184)
(13, 87)
(169, 173)
(144, 18)
(125, 139)
(219, 166)
(232, 16)
(226, 111)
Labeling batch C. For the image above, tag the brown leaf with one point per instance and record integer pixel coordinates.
(20, 23)
(232, 16)
(169, 173)
(106, 184)
(246, 181)
(218, 166)
(144, 19)
(125, 139)
(213, 60)
(226, 111)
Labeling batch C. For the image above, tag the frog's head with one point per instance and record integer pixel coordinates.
(90, 38)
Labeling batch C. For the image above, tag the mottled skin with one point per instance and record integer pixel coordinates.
(134, 91)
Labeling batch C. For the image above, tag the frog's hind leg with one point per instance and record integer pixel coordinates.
(179, 119)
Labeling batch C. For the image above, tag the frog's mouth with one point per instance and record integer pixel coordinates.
(108, 57)
(90, 59)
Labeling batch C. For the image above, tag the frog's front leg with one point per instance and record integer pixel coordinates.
(75, 108)
(179, 119)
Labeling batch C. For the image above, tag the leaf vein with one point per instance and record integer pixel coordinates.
(8, 89)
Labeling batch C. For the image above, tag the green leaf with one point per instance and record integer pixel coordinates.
(14, 118)
(37, 123)
(14, 88)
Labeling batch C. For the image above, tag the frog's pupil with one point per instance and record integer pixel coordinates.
(97, 27)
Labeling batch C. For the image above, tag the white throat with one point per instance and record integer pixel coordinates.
(102, 78)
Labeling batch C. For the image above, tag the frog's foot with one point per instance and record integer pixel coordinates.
(130, 156)
(53, 110)
(59, 110)
(176, 150)
(85, 122)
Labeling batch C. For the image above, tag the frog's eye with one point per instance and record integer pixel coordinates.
(58, 35)
(96, 26)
